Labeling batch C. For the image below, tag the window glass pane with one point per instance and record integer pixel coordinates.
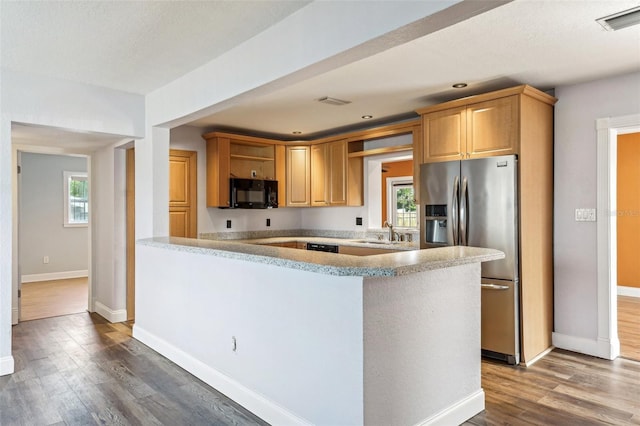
(404, 212)
(78, 200)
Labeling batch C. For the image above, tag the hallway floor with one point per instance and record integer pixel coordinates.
(45, 299)
(629, 327)
(81, 370)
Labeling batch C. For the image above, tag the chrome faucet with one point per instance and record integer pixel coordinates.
(390, 226)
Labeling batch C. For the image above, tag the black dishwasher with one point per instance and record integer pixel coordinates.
(329, 248)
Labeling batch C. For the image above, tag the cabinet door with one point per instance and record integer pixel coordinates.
(444, 135)
(218, 170)
(298, 176)
(338, 173)
(493, 127)
(183, 214)
(320, 173)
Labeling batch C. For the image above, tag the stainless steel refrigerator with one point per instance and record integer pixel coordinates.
(475, 203)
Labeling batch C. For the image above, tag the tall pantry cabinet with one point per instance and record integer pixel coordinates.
(517, 121)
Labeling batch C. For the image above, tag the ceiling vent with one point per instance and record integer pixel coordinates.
(332, 101)
(620, 20)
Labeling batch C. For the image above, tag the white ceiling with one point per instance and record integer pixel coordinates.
(133, 46)
(64, 140)
(140, 46)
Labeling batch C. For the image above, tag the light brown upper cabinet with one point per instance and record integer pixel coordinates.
(477, 130)
(320, 175)
(444, 135)
(329, 174)
(337, 152)
(238, 156)
(298, 176)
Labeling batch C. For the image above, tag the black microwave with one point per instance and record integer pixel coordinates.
(253, 193)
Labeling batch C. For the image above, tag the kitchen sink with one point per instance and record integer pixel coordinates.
(376, 242)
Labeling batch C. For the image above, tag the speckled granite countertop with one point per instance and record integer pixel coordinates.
(404, 261)
(353, 242)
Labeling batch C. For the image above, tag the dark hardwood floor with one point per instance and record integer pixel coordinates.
(81, 370)
(563, 388)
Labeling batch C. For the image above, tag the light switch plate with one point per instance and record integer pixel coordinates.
(585, 215)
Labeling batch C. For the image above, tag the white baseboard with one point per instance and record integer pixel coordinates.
(601, 348)
(15, 316)
(6, 365)
(109, 314)
(628, 291)
(64, 275)
(456, 414)
(252, 401)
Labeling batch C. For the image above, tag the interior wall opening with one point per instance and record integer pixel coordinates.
(53, 235)
(628, 244)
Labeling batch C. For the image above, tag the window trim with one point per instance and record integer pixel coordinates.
(397, 181)
(66, 177)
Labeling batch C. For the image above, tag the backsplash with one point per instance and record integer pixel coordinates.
(327, 233)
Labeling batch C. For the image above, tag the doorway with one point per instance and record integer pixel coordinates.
(53, 235)
(608, 130)
(628, 244)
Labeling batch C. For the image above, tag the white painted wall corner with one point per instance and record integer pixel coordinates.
(110, 315)
(601, 348)
(6, 365)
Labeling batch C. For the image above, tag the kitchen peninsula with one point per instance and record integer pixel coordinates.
(305, 337)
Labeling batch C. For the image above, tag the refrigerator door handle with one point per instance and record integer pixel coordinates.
(494, 287)
(454, 209)
(464, 213)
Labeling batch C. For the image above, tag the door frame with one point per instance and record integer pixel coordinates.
(608, 129)
(17, 149)
(130, 255)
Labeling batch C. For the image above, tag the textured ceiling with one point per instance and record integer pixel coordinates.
(542, 43)
(134, 46)
(64, 139)
(140, 46)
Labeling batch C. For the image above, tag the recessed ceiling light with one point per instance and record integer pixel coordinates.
(459, 85)
(297, 132)
(620, 20)
(367, 117)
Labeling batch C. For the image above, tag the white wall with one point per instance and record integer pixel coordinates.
(59, 103)
(575, 243)
(315, 39)
(299, 334)
(42, 230)
(108, 216)
(45, 101)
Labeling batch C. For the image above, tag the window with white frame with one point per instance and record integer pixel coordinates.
(401, 206)
(76, 199)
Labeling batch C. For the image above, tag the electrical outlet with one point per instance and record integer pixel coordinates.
(45, 259)
(268, 222)
(359, 221)
(229, 224)
(254, 173)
